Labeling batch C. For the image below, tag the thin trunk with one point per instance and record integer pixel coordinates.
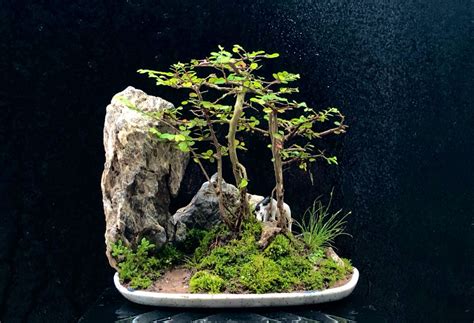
(218, 189)
(277, 145)
(237, 168)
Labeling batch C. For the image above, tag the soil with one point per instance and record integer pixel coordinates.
(173, 281)
(177, 281)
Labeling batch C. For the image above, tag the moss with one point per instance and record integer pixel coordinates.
(347, 265)
(136, 267)
(205, 282)
(279, 247)
(210, 237)
(314, 280)
(139, 267)
(168, 256)
(251, 227)
(332, 272)
(262, 275)
(227, 260)
(194, 238)
(227, 263)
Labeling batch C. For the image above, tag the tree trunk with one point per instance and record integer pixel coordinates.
(237, 168)
(218, 186)
(277, 145)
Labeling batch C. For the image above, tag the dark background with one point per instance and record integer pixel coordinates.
(401, 71)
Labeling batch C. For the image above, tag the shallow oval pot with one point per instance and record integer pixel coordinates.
(237, 300)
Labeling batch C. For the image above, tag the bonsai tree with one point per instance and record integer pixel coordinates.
(226, 94)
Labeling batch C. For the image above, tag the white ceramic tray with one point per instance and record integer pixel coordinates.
(237, 300)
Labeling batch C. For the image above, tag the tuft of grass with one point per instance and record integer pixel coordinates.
(319, 226)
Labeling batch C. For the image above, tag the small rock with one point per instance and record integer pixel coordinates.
(331, 254)
(269, 231)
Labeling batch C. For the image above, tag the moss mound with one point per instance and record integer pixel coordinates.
(221, 262)
(240, 266)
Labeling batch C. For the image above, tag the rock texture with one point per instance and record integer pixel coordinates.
(269, 231)
(140, 174)
(331, 254)
(203, 210)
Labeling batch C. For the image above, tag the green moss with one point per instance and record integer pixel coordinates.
(279, 247)
(332, 272)
(138, 267)
(227, 263)
(262, 275)
(168, 256)
(285, 265)
(227, 260)
(205, 282)
(194, 238)
(314, 280)
(210, 237)
(251, 227)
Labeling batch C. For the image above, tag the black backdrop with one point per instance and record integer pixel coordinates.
(400, 70)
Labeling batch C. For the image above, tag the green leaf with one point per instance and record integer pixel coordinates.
(253, 54)
(179, 137)
(217, 80)
(332, 160)
(274, 55)
(183, 146)
(303, 166)
(243, 183)
(155, 131)
(257, 100)
(278, 136)
(253, 66)
(237, 48)
(302, 105)
(167, 136)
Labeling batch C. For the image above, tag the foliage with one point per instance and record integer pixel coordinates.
(252, 227)
(261, 275)
(224, 263)
(206, 239)
(280, 247)
(205, 282)
(225, 260)
(138, 267)
(194, 238)
(226, 95)
(284, 265)
(319, 226)
(168, 256)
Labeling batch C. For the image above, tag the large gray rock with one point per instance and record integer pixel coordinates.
(140, 174)
(203, 210)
